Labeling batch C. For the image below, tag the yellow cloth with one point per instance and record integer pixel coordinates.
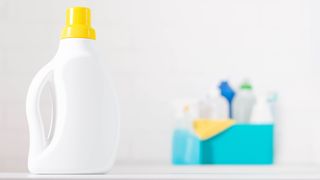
(208, 128)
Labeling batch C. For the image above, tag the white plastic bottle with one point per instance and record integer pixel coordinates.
(265, 112)
(84, 132)
(262, 113)
(214, 106)
(243, 103)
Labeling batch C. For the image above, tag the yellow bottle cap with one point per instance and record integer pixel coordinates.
(78, 24)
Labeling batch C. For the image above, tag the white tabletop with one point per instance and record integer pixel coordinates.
(186, 173)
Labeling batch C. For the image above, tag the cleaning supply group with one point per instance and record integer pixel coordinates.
(200, 120)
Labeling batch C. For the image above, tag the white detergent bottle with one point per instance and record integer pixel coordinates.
(262, 113)
(84, 131)
(243, 103)
(214, 106)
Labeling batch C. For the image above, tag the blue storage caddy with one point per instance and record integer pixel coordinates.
(240, 144)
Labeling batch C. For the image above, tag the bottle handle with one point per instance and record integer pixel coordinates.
(38, 140)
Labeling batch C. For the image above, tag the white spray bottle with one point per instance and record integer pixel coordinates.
(84, 131)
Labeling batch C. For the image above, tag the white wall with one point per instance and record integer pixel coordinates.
(158, 51)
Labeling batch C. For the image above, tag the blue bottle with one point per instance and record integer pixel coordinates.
(227, 92)
(185, 144)
(186, 148)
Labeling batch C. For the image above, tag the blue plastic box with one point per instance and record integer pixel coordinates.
(240, 144)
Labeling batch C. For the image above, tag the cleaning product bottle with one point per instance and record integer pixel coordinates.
(186, 147)
(227, 91)
(213, 106)
(272, 99)
(243, 103)
(262, 113)
(85, 128)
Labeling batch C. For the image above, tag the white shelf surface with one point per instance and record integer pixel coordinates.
(186, 173)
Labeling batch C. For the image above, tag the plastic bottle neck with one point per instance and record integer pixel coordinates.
(75, 44)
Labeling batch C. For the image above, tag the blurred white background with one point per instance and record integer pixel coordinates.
(161, 50)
